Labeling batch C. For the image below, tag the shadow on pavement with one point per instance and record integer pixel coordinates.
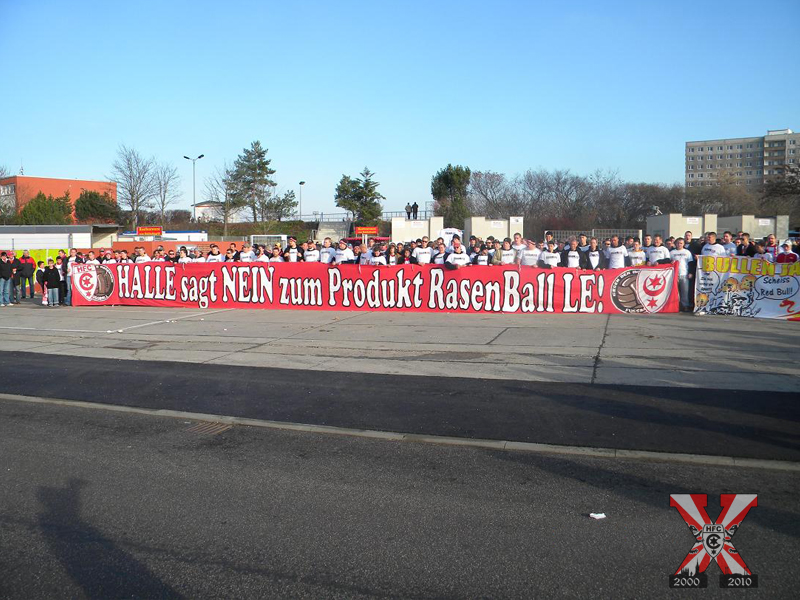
(94, 562)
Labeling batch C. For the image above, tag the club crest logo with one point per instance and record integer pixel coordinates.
(94, 282)
(642, 290)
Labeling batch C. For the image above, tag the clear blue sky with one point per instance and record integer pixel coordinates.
(403, 87)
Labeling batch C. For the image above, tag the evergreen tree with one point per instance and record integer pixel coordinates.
(449, 191)
(46, 210)
(94, 206)
(251, 179)
(360, 197)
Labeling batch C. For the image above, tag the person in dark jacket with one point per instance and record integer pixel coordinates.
(52, 281)
(6, 277)
(16, 279)
(27, 272)
(572, 257)
(595, 257)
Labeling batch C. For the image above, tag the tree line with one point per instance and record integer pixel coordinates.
(560, 199)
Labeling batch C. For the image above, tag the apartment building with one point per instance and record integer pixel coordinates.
(748, 161)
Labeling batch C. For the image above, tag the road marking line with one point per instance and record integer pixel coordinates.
(501, 445)
(202, 314)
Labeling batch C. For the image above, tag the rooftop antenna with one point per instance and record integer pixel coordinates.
(657, 211)
(21, 169)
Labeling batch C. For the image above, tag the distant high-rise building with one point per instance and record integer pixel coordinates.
(748, 161)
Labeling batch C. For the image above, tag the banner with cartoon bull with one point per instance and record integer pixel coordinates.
(429, 288)
(747, 287)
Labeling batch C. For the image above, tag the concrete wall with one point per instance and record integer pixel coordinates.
(676, 224)
(757, 227)
(405, 230)
(499, 228)
(58, 241)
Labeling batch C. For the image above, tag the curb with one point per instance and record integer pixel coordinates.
(501, 445)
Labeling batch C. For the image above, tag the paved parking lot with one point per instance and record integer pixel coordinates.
(659, 350)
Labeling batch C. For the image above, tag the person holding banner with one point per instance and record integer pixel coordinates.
(616, 254)
(529, 257)
(344, 255)
(595, 258)
(328, 253)
(550, 257)
(458, 258)
(712, 247)
(572, 257)
(659, 254)
(684, 258)
(786, 255)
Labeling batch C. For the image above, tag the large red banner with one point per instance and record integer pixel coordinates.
(428, 288)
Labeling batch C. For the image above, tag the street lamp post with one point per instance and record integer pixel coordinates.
(194, 199)
(300, 203)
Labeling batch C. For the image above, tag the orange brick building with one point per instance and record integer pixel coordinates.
(19, 189)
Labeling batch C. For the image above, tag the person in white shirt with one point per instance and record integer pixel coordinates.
(262, 255)
(215, 255)
(311, 253)
(684, 258)
(365, 255)
(727, 243)
(344, 255)
(529, 257)
(277, 254)
(595, 257)
(712, 247)
(482, 257)
(551, 257)
(458, 258)
(392, 257)
(518, 245)
(328, 252)
(616, 254)
(506, 255)
(762, 254)
(91, 259)
(141, 257)
(246, 254)
(198, 256)
(377, 258)
(647, 246)
(636, 256)
(183, 257)
(441, 254)
(422, 254)
(292, 252)
(658, 252)
(571, 257)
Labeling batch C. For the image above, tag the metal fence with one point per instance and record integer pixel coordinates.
(564, 234)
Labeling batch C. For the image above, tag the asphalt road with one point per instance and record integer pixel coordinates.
(105, 505)
(665, 419)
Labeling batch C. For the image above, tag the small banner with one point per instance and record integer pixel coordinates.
(747, 287)
(424, 288)
(149, 230)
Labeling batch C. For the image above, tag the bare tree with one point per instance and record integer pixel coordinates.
(166, 180)
(135, 179)
(220, 189)
(8, 205)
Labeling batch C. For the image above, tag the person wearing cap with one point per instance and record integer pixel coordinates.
(495, 247)
(482, 257)
(293, 253)
(529, 257)
(344, 255)
(506, 255)
(311, 254)
(595, 258)
(377, 258)
(550, 257)
(572, 257)
(458, 258)
(786, 255)
(246, 254)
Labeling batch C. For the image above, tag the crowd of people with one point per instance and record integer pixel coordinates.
(17, 274)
